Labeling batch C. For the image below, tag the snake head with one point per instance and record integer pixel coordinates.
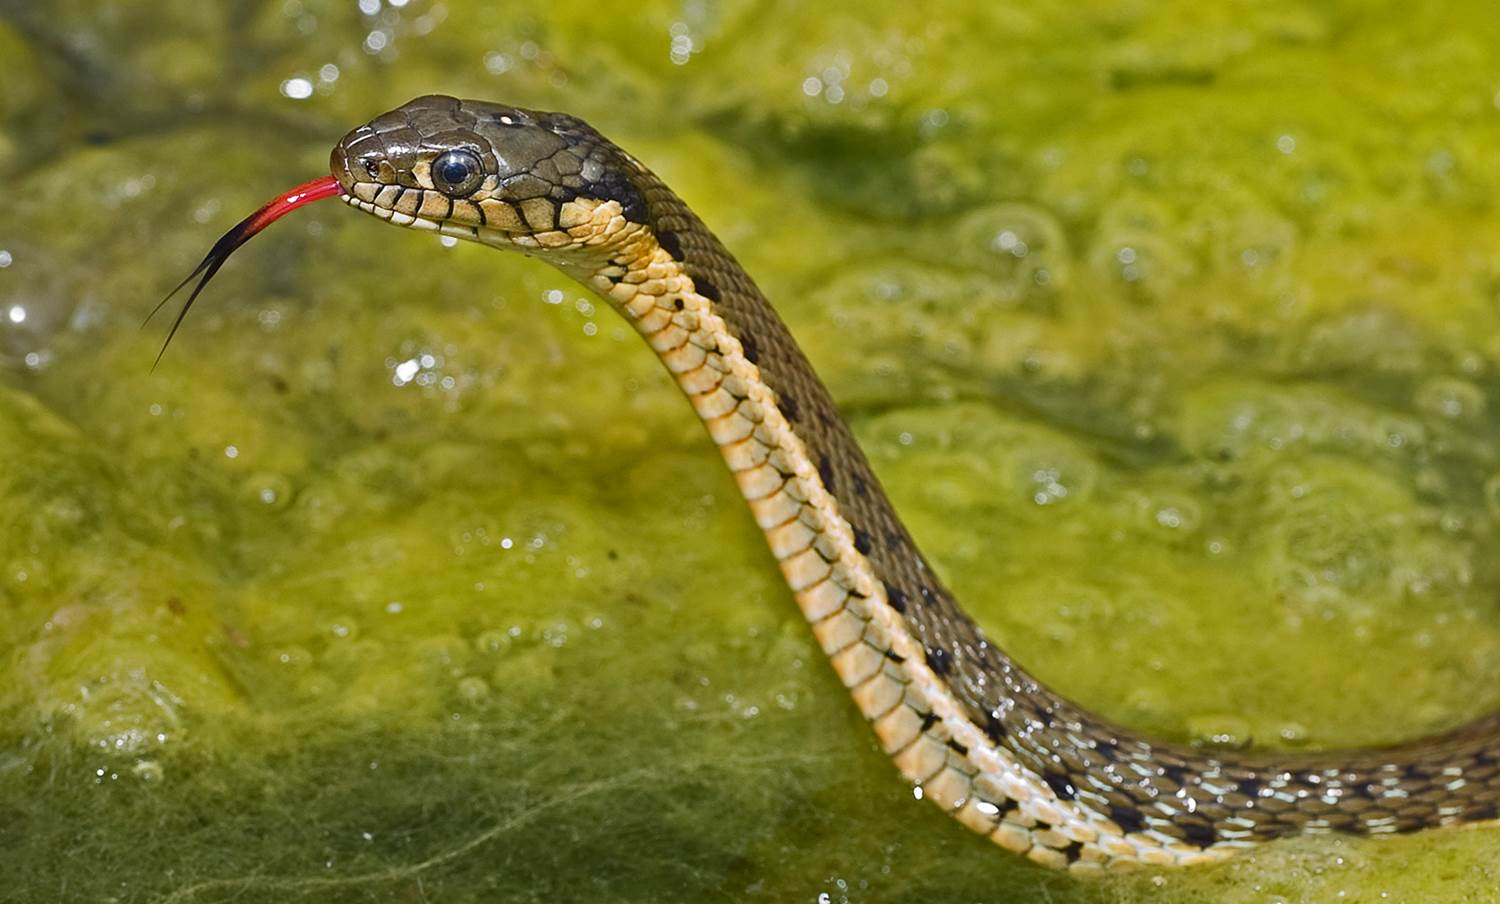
(490, 173)
(543, 182)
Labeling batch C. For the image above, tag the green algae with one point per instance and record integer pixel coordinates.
(1172, 330)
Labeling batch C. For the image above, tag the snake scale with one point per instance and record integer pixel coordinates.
(980, 736)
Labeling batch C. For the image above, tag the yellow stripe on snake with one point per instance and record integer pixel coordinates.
(983, 739)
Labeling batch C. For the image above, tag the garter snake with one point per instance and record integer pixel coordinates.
(984, 739)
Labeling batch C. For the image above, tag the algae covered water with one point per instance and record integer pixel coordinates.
(1171, 328)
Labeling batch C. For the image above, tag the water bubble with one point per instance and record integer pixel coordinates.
(1050, 476)
(271, 490)
(293, 656)
(473, 689)
(344, 628)
(297, 88)
(1451, 398)
(1023, 246)
(493, 641)
(1179, 514)
(1219, 730)
(1293, 734)
(496, 63)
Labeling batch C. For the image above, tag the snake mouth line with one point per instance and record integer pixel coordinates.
(243, 231)
(395, 216)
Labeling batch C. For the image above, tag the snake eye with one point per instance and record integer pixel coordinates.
(457, 172)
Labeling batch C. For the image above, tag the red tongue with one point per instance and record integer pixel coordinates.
(316, 190)
(308, 192)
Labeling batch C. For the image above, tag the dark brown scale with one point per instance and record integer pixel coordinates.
(896, 597)
(788, 407)
(1012, 708)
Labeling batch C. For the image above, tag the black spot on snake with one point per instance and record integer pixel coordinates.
(706, 289)
(938, 660)
(928, 721)
(614, 186)
(1073, 851)
(994, 729)
(895, 596)
(1129, 819)
(1060, 785)
(861, 541)
(825, 471)
(747, 343)
(788, 407)
(678, 303)
(670, 243)
(895, 657)
(1199, 833)
(958, 748)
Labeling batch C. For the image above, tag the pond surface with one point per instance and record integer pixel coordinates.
(1171, 328)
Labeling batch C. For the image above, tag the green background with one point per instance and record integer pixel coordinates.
(408, 575)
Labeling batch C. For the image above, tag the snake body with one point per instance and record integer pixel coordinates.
(980, 736)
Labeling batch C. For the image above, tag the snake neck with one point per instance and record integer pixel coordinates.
(979, 736)
(910, 657)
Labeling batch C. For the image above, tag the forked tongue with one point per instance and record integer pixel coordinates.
(244, 231)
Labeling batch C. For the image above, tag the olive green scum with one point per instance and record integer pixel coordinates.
(1168, 329)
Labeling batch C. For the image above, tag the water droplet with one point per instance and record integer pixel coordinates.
(473, 689)
(493, 641)
(297, 88)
